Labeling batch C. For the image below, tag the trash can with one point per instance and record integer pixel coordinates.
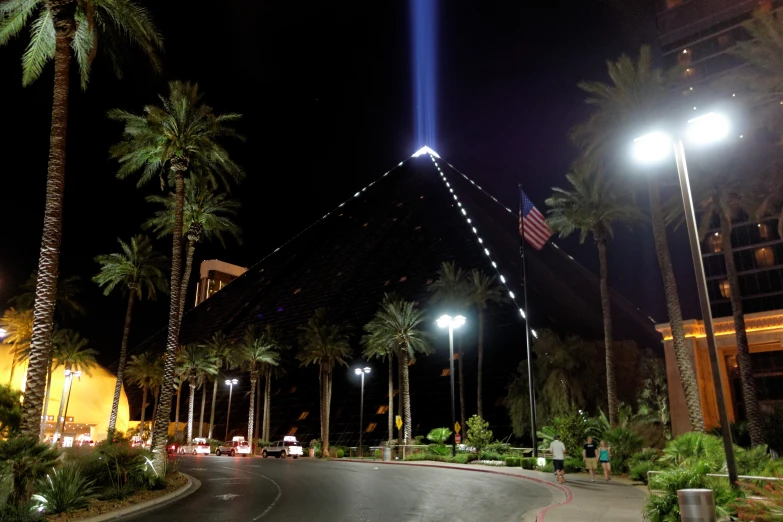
(696, 505)
(386, 454)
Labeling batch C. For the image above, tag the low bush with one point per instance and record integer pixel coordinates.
(439, 449)
(548, 467)
(377, 454)
(528, 463)
(513, 462)
(501, 448)
(24, 513)
(460, 458)
(26, 460)
(65, 489)
(761, 503)
(773, 429)
(439, 435)
(573, 465)
(490, 455)
(639, 471)
(624, 443)
(695, 448)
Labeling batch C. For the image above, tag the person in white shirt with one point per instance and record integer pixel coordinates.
(558, 458)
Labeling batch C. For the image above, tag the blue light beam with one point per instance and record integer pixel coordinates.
(423, 48)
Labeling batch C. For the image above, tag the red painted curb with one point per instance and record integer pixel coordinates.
(569, 496)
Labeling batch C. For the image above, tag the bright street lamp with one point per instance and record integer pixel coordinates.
(230, 383)
(361, 371)
(654, 147)
(446, 321)
(3, 333)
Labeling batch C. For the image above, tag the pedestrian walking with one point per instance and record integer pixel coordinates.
(558, 450)
(590, 458)
(605, 458)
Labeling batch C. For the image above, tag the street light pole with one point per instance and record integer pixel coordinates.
(230, 383)
(704, 303)
(361, 371)
(452, 323)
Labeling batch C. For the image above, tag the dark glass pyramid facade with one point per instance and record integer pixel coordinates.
(392, 236)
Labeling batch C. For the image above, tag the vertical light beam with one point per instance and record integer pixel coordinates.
(423, 47)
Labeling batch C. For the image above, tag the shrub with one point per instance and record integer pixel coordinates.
(752, 461)
(478, 435)
(64, 489)
(639, 470)
(26, 461)
(119, 469)
(573, 431)
(739, 433)
(10, 410)
(573, 465)
(377, 454)
(463, 458)
(773, 429)
(490, 455)
(501, 448)
(695, 448)
(439, 449)
(439, 435)
(24, 513)
(548, 467)
(528, 463)
(761, 504)
(513, 462)
(340, 453)
(664, 507)
(624, 443)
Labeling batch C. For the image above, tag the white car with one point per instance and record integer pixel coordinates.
(197, 446)
(237, 446)
(288, 447)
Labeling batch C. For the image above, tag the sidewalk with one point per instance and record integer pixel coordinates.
(579, 499)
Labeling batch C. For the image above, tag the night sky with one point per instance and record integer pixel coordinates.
(326, 91)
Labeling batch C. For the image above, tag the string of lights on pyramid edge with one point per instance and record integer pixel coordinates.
(433, 155)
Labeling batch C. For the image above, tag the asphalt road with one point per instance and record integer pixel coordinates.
(272, 490)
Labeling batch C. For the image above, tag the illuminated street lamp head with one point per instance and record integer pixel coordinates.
(708, 128)
(229, 382)
(454, 322)
(652, 148)
(360, 371)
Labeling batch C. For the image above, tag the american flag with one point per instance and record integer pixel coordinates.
(532, 224)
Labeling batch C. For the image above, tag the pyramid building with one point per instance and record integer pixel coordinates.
(392, 236)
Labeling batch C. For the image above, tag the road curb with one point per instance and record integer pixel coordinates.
(540, 514)
(192, 485)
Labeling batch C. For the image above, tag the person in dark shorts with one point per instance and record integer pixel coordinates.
(558, 458)
(590, 458)
(605, 458)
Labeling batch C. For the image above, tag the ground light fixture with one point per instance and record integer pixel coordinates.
(362, 372)
(447, 321)
(230, 383)
(656, 147)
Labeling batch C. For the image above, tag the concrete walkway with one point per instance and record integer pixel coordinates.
(577, 500)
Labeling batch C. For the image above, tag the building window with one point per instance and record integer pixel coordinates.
(714, 243)
(303, 415)
(292, 431)
(371, 427)
(765, 257)
(725, 289)
(382, 410)
(763, 230)
(445, 373)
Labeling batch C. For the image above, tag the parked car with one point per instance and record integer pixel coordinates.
(237, 446)
(288, 447)
(198, 446)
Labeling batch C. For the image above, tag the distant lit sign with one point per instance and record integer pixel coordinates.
(50, 417)
(69, 419)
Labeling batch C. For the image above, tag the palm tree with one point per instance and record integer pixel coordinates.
(56, 29)
(207, 214)
(18, 325)
(257, 352)
(67, 305)
(155, 385)
(452, 288)
(591, 207)
(324, 341)
(220, 347)
(196, 362)
(74, 355)
(141, 371)
(139, 270)
(483, 291)
(637, 95)
(176, 138)
(379, 347)
(396, 327)
(27, 461)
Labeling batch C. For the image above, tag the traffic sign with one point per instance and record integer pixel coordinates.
(399, 422)
(457, 438)
(457, 427)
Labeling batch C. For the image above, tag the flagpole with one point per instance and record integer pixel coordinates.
(531, 388)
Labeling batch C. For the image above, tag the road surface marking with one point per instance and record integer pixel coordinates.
(274, 502)
(228, 496)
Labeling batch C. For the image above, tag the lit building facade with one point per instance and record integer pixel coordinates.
(214, 276)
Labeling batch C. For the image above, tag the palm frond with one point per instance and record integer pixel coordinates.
(41, 48)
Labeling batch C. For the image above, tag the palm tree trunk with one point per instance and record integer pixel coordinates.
(42, 433)
(749, 396)
(155, 402)
(268, 406)
(49, 260)
(461, 382)
(203, 405)
(328, 412)
(401, 400)
(406, 397)
(324, 414)
(143, 410)
(57, 424)
(606, 308)
(391, 397)
(191, 402)
(212, 413)
(191, 247)
(479, 394)
(258, 432)
(251, 413)
(13, 369)
(321, 404)
(176, 412)
(681, 352)
(172, 338)
(115, 404)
